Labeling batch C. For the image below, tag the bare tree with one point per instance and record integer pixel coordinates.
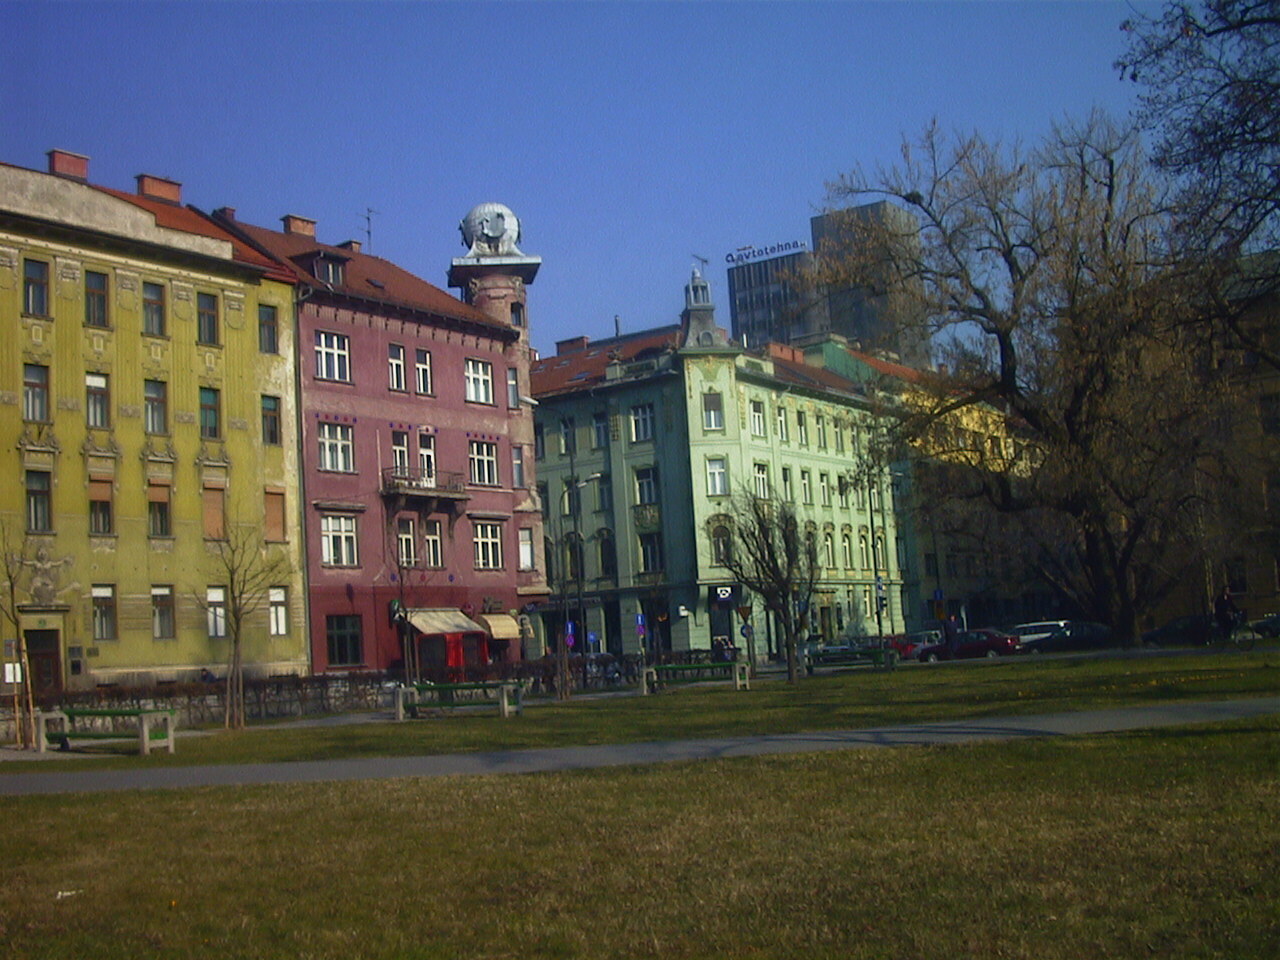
(15, 568)
(1053, 281)
(248, 567)
(774, 557)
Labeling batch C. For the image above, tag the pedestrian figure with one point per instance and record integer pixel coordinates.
(951, 634)
(1225, 612)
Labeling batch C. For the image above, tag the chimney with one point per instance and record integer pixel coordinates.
(226, 213)
(352, 245)
(299, 226)
(572, 345)
(73, 166)
(159, 188)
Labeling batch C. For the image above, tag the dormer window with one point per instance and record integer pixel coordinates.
(328, 271)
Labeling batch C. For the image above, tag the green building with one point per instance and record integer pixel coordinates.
(642, 440)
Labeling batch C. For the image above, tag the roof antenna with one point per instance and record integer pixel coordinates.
(368, 227)
(617, 325)
(702, 260)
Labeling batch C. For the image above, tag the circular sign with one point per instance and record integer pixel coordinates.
(746, 630)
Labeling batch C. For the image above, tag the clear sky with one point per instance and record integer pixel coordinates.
(627, 137)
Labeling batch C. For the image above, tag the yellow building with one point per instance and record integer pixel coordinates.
(148, 422)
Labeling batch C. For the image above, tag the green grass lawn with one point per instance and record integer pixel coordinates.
(1156, 844)
(847, 700)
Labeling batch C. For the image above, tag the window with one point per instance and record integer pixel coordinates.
(97, 401)
(95, 299)
(525, 538)
(35, 288)
(337, 451)
(839, 432)
(757, 418)
(604, 493)
(487, 543)
(215, 607)
(846, 548)
(820, 422)
(333, 360)
(570, 497)
(650, 553)
(484, 463)
(35, 393)
(608, 555)
(642, 422)
(400, 452)
(573, 557)
(599, 430)
(162, 618)
(1269, 413)
(39, 505)
(100, 510)
(788, 494)
(153, 309)
(517, 467)
(155, 406)
(271, 420)
(646, 485)
(824, 489)
(717, 477)
(567, 436)
(214, 503)
(422, 370)
(842, 485)
(782, 424)
(721, 545)
(104, 611)
(342, 639)
(273, 516)
(829, 549)
(513, 388)
(329, 271)
(806, 489)
(479, 380)
(539, 442)
(206, 318)
(432, 544)
(338, 540)
(268, 329)
(802, 428)
(427, 458)
(278, 611)
(159, 523)
(712, 411)
(762, 480)
(864, 551)
(395, 367)
(517, 314)
(878, 554)
(210, 413)
(406, 542)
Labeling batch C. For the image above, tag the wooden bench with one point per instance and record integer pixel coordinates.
(146, 721)
(882, 658)
(664, 673)
(415, 699)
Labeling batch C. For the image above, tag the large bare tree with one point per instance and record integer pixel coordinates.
(15, 569)
(776, 558)
(1052, 279)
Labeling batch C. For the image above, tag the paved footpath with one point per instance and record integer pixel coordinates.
(632, 754)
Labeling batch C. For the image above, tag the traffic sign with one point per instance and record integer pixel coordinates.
(744, 612)
(746, 630)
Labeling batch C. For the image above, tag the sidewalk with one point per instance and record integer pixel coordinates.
(632, 754)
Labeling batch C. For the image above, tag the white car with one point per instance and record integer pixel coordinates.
(1037, 630)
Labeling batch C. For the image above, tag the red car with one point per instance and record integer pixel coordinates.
(984, 642)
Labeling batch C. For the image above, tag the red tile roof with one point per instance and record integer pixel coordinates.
(585, 367)
(364, 276)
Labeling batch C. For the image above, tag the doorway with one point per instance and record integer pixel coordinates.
(44, 655)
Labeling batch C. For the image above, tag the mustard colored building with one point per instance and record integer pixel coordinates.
(147, 421)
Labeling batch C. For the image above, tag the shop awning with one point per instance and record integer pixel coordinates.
(441, 621)
(501, 626)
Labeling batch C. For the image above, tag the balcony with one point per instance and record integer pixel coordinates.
(413, 482)
(647, 517)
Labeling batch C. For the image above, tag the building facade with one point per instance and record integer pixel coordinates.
(146, 400)
(417, 467)
(643, 442)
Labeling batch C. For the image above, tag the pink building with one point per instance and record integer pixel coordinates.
(420, 514)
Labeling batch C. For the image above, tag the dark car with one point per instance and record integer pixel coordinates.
(1074, 635)
(984, 642)
(1189, 631)
(1268, 626)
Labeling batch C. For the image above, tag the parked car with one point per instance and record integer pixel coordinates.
(1188, 631)
(983, 642)
(1268, 626)
(1037, 629)
(1073, 635)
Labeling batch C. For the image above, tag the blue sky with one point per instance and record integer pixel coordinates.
(627, 137)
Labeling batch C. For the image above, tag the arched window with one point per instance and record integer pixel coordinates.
(721, 545)
(879, 552)
(829, 549)
(846, 543)
(864, 551)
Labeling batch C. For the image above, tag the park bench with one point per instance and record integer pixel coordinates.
(664, 673)
(415, 699)
(149, 723)
(882, 658)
